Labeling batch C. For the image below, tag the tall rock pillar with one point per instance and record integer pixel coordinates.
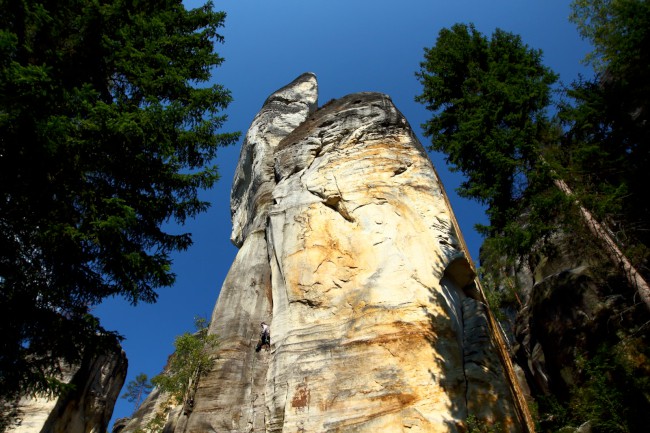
(233, 397)
(366, 279)
(348, 251)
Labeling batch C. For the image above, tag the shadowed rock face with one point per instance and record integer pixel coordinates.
(87, 408)
(570, 313)
(346, 246)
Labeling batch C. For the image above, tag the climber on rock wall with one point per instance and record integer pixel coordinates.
(265, 337)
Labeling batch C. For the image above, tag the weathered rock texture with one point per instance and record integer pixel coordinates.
(87, 408)
(348, 251)
(573, 305)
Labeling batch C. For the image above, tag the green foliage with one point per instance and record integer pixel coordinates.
(598, 400)
(604, 154)
(192, 358)
(499, 293)
(157, 423)
(137, 390)
(593, 19)
(105, 135)
(613, 394)
(476, 425)
(488, 99)
(617, 32)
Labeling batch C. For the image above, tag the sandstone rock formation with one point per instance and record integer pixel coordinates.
(572, 308)
(87, 408)
(347, 249)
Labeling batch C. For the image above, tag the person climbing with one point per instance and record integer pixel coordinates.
(265, 337)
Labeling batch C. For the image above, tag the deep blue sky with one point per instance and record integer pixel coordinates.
(352, 46)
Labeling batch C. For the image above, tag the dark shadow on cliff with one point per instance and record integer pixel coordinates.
(440, 335)
(590, 339)
(475, 354)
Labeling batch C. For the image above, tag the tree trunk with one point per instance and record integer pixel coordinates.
(634, 278)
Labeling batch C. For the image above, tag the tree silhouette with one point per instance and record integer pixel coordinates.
(137, 390)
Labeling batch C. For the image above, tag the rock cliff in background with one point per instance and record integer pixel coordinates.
(347, 250)
(580, 337)
(86, 408)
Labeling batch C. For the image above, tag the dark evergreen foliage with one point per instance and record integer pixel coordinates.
(488, 98)
(605, 154)
(105, 134)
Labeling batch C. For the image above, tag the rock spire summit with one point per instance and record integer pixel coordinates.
(281, 113)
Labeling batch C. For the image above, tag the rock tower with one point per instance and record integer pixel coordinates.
(347, 250)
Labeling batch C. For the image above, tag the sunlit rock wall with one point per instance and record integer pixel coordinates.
(347, 249)
(367, 332)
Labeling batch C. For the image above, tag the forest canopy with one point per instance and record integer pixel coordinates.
(107, 131)
(561, 167)
(491, 102)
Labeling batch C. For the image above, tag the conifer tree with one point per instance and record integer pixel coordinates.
(488, 98)
(595, 164)
(107, 131)
(604, 156)
(137, 390)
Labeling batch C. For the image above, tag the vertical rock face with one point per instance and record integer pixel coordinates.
(570, 313)
(367, 333)
(232, 399)
(254, 181)
(348, 252)
(87, 408)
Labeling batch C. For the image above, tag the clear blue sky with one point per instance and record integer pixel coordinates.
(352, 46)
